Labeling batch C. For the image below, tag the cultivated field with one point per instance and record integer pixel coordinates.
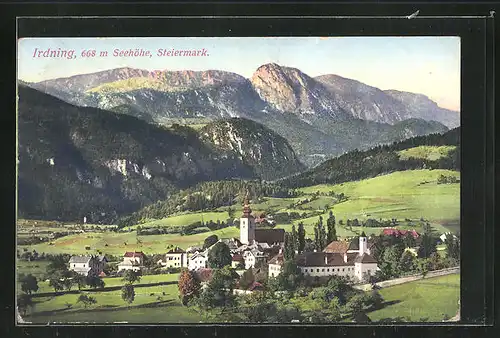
(430, 298)
(407, 194)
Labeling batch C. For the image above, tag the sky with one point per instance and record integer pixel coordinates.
(425, 65)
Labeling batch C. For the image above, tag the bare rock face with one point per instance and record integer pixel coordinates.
(289, 90)
(424, 108)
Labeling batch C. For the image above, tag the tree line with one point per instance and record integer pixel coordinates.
(208, 196)
(356, 165)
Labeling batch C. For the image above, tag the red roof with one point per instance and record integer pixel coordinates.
(203, 274)
(237, 258)
(255, 285)
(133, 254)
(176, 250)
(397, 232)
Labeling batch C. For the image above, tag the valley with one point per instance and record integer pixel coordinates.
(139, 190)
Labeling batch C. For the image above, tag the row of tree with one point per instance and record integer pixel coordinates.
(208, 196)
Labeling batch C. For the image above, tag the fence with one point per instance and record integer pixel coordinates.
(407, 279)
(104, 289)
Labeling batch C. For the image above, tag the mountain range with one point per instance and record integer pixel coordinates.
(83, 161)
(320, 117)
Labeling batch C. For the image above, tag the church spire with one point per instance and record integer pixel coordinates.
(247, 212)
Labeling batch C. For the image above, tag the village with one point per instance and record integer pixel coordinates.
(257, 248)
(262, 259)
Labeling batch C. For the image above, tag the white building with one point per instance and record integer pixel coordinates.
(132, 261)
(275, 265)
(176, 258)
(247, 224)
(356, 265)
(252, 257)
(87, 265)
(198, 260)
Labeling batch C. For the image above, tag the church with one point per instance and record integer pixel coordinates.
(250, 235)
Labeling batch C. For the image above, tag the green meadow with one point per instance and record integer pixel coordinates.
(430, 153)
(429, 298)
(412, 194)
(155, 304)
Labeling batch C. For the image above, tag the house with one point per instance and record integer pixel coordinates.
(347, 246)
(132, 261)
(356, 265)
(275, 265)
(400, 233)
(198, 260)
(176, 258)
(237, 260)
(443, 236)
(253, 257)
(87, 265)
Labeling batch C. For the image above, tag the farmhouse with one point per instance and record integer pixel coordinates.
(347, 246)
(198, 260)
(87, 265)
(400, 233)
(132, 261)
(355, 264)
(176, 258)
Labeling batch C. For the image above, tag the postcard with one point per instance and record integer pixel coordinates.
(238, 180)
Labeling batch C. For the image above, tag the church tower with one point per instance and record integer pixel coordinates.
(247, 224)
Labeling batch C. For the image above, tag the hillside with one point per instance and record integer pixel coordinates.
(380, 160)
(338, 114)
(257, 146)
(76, 162)
(424, 108)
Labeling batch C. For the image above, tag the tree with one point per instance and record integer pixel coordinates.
(355, 304)
(409, 241)
(301, 237)
(29, 284)
(289, 279)
(288, 252)
(219, 256)
(320, 237)
(128, 293)
(209, 241)
(294, 240)
(79, 280)
(24, 302)
(189, 286)
(408, 262)
(57, 263)
(94, 282)
(219, 291)
(427, 246)
(230, 212)
(131, 276)
(453, 248)
(86, 300)
(56, 282)
(247, 279)
(332, 232)
(390, 265)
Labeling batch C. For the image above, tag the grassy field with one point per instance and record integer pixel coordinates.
(118, 243)
(185, 219)
(430, 298)
(146, 308)
(44, 287)
(431, 153)
(407, 194)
